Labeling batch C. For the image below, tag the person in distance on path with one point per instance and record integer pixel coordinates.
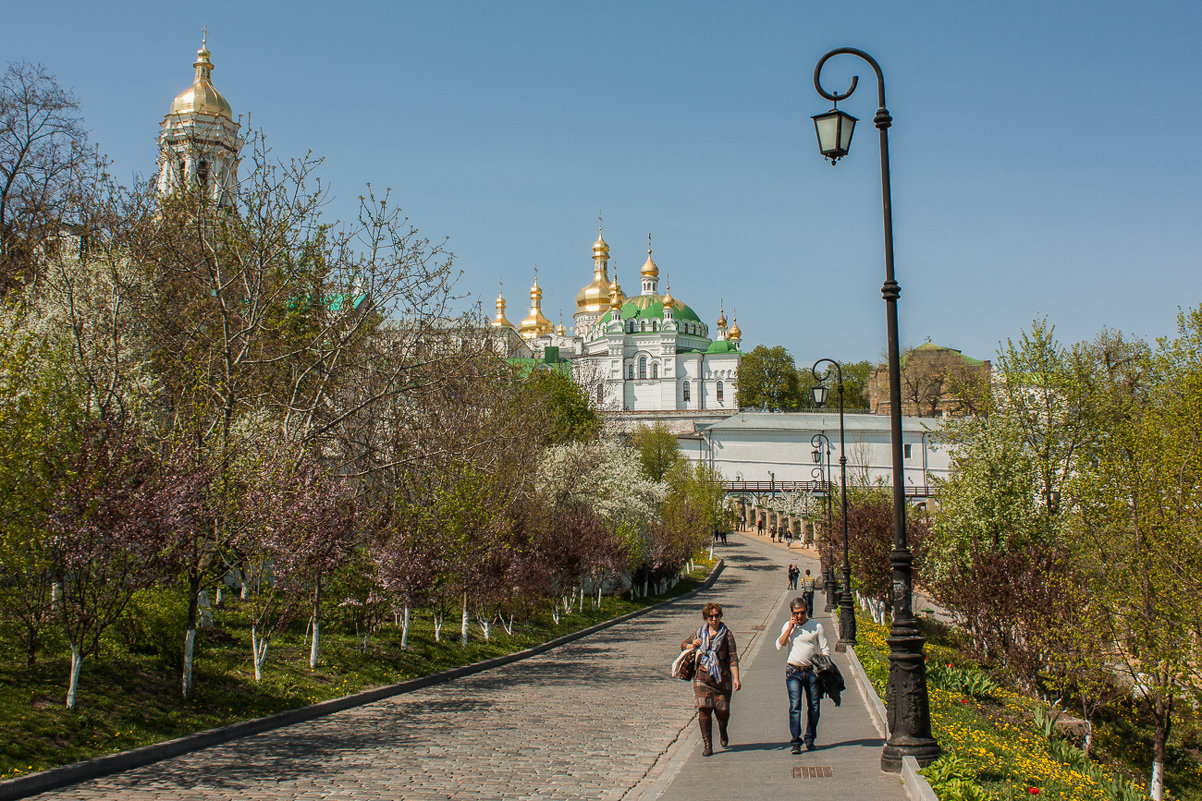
(807, 592)
(717, 674)
(802, 639)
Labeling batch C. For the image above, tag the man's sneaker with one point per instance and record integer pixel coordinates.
(796, 749)
(810, 745)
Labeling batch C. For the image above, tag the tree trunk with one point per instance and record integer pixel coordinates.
(1163, 715)
(437, 626)
(190, 635)
(258, 645)
(405, 630)
(463, 625)
(73, 684)
(313, 648)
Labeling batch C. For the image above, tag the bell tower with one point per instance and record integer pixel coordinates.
(198, 141)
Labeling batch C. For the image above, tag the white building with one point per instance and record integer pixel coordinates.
(646, 353)
(759, 446)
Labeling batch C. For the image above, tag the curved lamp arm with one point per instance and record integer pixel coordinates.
(835, 97)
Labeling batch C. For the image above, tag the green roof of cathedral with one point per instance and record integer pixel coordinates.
(722, 346)
(650, 307)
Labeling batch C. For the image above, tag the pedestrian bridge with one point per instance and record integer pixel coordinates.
(814, 487)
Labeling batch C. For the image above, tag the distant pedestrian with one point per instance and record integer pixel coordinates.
(723, 536)
(803, 639)
(807, 592)
(743, 521)
(793, 573)
(717, 675)
(759, 526)
(788, 537)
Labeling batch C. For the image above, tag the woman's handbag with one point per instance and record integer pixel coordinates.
(685, 665)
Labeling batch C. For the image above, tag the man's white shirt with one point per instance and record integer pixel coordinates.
(804, 641)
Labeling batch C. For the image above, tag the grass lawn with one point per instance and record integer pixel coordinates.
(993, 734)
(130, 696)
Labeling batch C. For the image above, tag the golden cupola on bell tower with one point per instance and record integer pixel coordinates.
(593, 299)
(198, 140)
(536, 324)
(500, 321)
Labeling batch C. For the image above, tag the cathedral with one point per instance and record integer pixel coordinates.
(644, 353)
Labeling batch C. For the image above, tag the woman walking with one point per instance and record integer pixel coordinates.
(717, 674)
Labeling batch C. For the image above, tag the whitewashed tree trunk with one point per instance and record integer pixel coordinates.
(189, 646)
(219, 596)
(1156, 788)
(580, 607)
(463, 624)
(486, 627)
(555, 614)
(405, 630)
(567, 604)
(508, 626)
(366, 640)
(438, 618)
(316, 644)
(598, 604)
(73, 683)
(258, 646)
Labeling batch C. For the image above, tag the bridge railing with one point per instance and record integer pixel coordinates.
(775, 487)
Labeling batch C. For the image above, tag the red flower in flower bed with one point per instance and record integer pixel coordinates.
(1033, 790)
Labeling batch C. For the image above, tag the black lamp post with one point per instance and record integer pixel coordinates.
(847, 613)
(906, 698)
(830, 587)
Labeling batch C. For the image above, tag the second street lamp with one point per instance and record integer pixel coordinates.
(830, 586)
(847, 612)
(907, 703)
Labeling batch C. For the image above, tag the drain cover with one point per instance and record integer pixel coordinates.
(812, 772)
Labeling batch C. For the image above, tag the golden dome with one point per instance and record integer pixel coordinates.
(721, 317)
(734, 334)
(600, 249)
(536, 324)
(201, 97)
(560, 330)
(649, 267)
(616, 296)
(593, 298)
(669, 301)
(500, 321)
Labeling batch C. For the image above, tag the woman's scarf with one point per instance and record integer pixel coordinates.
(707, 654)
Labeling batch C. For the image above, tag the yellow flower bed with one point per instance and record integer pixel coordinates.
(1012, 761)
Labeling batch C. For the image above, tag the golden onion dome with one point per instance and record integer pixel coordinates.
(649, 267)
(560, 330)
(669, 301)
(721, 317)
(500, 321)
(734, 334)
(536, 324)
(201, 97)
(600, 249)
(616, 296)
(592, 297)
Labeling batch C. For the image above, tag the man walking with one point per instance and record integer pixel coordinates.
(807, 592)
(802, 639)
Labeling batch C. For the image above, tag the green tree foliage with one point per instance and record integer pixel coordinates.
(768, 377)
(855, 387)
(658, 450)
(566, 413)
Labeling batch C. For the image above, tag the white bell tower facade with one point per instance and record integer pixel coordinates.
(199, 144)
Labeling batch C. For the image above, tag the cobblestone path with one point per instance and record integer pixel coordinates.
(589, 720)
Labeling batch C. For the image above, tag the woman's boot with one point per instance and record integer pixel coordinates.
(707, 744)
(722, 738)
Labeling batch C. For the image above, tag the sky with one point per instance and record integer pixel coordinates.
(1044, 155)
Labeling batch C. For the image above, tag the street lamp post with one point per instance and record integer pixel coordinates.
(906, 692)
(847, 614)
(830, 587)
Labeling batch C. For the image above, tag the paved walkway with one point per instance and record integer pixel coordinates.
(597, 719)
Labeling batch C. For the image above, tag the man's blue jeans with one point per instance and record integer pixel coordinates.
(797, 680)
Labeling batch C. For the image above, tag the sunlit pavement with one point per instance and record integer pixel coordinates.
(597, 718)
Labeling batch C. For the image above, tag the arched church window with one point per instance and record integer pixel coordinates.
(630, 372)
(202, 172)
(686, 392)
(655, 369)
(654, 325)
(642, 368)
(643, 325)
(719, 392)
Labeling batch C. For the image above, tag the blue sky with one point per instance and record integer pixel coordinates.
(1044, 155)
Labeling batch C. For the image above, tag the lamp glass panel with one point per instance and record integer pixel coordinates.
(820, 394)
(827, 126)
(817, 454)
(848, 124)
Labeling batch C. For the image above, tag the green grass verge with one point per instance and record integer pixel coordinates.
(993, 736)
(130, 697)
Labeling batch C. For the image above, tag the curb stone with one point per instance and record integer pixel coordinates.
(66, 775)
